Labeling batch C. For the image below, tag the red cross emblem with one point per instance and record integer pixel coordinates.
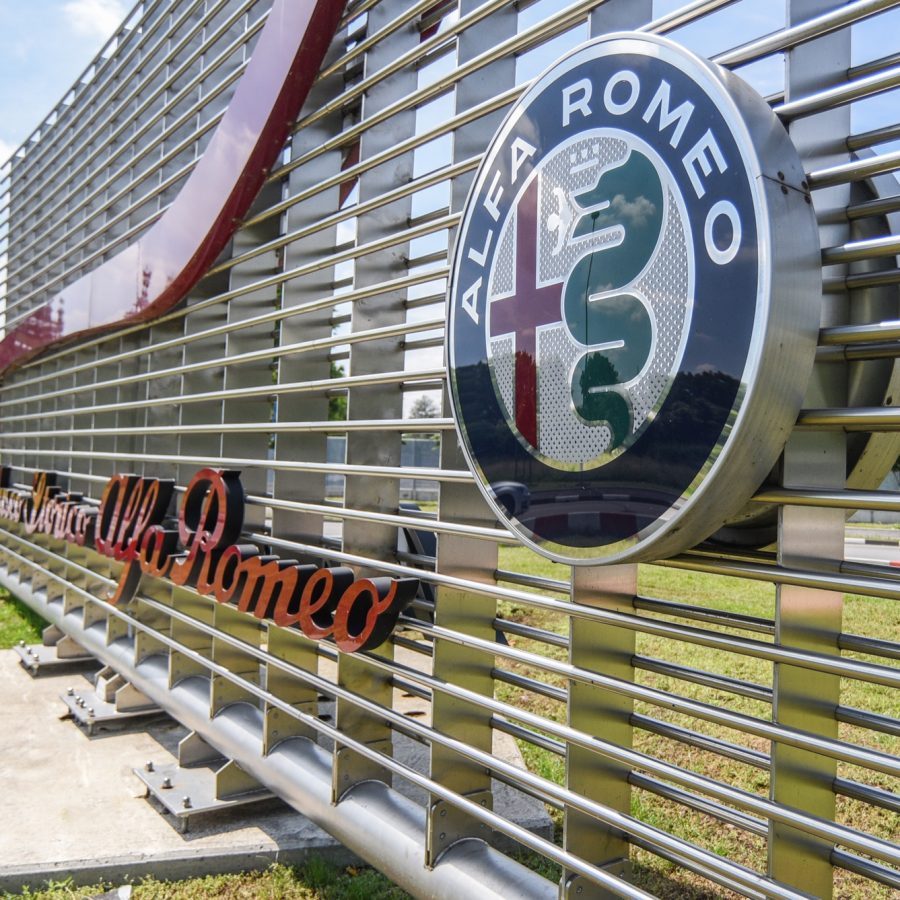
(523, 312)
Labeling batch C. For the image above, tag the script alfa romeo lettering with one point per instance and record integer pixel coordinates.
(610, 300)
(129, 527)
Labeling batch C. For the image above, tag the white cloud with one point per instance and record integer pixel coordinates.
(94, 18)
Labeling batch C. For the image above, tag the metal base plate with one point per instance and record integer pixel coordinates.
(91, 712)
(186, 792)
(36, 658)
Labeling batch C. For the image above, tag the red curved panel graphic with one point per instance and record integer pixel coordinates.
(155, 273)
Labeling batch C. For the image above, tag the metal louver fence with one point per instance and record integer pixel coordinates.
(753, 752)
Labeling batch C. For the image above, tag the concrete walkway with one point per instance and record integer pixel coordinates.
(71, 806)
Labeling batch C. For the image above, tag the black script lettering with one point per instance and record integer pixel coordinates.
(210, 520)
(43, 488)
(368, 611)
(264, 580)
(130, 506)
(157, 547)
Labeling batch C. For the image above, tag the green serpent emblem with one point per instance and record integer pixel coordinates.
(598, 308)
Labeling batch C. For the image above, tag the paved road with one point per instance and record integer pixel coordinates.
(872, 553)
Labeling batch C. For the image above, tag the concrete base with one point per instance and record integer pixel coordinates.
(72, 806)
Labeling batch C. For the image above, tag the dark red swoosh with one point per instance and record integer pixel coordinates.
(154, 274)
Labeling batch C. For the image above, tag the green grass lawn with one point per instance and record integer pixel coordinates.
(317, 880)
(862, 615)
(18, 622)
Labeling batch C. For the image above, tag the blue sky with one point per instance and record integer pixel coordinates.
(44, 46)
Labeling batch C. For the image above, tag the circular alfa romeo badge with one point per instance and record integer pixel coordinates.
(633, 303)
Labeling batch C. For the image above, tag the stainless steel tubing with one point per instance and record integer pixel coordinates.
(443, 223)
(873, 646)
(816, 27)
(750, 824)
(860, 419)
(828, 830)
(883, 206)
(684, 15)
(249, 714)
(695, 562)
(742, 799)
(400, 521)
(857, 251)
(860, 280)
(880, 350)
(276, 315)
(266, 353)
(707, 679)
(351, 172)
(705, 614)
(875, 136)
(86, 82)
(847, 499)
(874, 587)
(83, 152)
(839, 750)
(851, 334)
(146, 124)
(272, 390)
(857, 170)
(701, 741)
(866, 868)
(414, 11)
(279, 465)
(874, 65)
(404, 425)
(840, 95)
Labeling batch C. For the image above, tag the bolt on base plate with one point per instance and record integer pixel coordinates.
(36, 658)
(186, 792)
(91, 712)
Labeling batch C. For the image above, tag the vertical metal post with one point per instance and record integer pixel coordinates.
(211, 411)
(608, 650)
(312, 365)
(601, 648)
(382, 448)
(308, 406)
(811, 619)
(460, 556)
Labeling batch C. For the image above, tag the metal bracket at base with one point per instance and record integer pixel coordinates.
(186, 791)
(56, 652)
(577, 887)
(447, 825)
(112, 703)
